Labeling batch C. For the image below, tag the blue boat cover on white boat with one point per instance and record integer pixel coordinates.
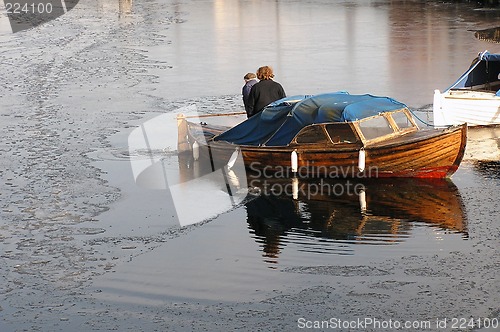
(485, 68)
(280, 121)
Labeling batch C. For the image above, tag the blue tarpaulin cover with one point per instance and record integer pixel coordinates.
(280, 121)
(484, 69)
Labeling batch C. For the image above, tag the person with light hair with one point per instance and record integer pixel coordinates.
(264, 92)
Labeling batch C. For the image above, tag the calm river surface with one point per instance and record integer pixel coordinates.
(87, 243)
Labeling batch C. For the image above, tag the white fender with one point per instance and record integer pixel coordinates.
(233, 158)
(294, 161)
(196, 151)
(361, 160)
(362, 200)
(295, 188)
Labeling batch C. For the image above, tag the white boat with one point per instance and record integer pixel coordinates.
(474, 98)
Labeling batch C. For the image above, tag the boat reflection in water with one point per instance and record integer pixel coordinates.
(491, 35)
(489, 169)
(330, 216)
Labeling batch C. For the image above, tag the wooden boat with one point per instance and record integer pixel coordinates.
(335, 135)
(474, 98)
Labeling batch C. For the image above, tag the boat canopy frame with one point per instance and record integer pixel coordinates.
(483, 71)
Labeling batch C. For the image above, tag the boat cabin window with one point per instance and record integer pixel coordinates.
(341, 133)
(375, 127)
(312, 134)
(402, 120)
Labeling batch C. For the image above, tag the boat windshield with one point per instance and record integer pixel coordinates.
(402, 120)
(375, 127)
(387, 124)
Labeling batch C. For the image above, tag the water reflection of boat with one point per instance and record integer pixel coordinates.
(491, 35)
(350, 212)
(488, 168)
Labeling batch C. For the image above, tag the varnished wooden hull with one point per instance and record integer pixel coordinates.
(423, 154)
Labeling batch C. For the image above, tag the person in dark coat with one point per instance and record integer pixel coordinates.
(250, 80)
(264, 92)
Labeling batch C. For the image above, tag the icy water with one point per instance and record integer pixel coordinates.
(87, 243)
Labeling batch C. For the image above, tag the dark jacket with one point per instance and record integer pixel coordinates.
(262, 94)
(245, 91)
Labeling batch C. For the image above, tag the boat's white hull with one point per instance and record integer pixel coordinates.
(475, 108)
